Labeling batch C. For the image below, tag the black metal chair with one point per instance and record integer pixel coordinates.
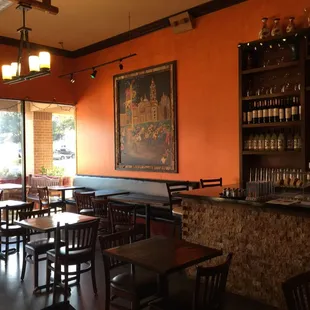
(79, 249)
(132, 286)
(211, 182)
(35, 250)
(9, 229)
(208, 294)
(296, 291)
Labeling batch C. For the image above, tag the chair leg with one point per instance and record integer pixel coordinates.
(23, 267)
(78, 274)
(48, 276)
(107, 296)
(93, 276)
(36, 270)
(66, 282)
(17, 244)
(6, 254)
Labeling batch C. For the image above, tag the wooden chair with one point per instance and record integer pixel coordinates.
(35, 250)
(1, 194)
(210, 182)
(80, 244)
(173, 188)
(10, 229)
(84, 202)
(100, 207)
(132, 286)
(46, 201)
(297, 292)
(209, 291)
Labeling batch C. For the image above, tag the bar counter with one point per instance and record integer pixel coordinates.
(270, 242)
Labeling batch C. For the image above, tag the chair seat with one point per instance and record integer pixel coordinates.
(87, 211)
(42, 245)
(143, 284)
(73, 257)
(10, 227)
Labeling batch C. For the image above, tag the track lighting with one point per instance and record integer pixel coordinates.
(93, 74)
(121, 66)
(72, 80)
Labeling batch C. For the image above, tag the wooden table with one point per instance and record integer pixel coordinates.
(49, 223)
(163, 256)
(11, 203)
(147, 201)
(106, 193)
(63, 189)
(10, 186)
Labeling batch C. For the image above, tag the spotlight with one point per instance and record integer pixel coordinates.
(72, 80)
(121, 66)
(94, 73)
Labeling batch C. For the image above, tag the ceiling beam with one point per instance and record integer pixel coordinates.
(44, 6)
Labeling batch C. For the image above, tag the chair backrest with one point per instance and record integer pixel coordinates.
(36, 181)
(84, 200)
(81, 236)
(111, 241)
(43, 193)
(210, 182)
(1, 194)
(100, 207)
(122, 215)
(12, 212)
(210, 285)
(176, 187)
(296, 291)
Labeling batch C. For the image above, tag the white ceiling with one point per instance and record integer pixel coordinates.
(84, 22)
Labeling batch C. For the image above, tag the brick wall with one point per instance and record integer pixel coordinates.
(43, 140)
(269, 246)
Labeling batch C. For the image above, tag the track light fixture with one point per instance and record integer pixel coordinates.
(93, 74)
(72, 80)
(121, 66)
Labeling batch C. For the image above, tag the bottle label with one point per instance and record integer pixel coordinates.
(260, 114)
(280, 145)
(267, 145)
(294, 110)
(273, 144)
(299, 111)
(249, 117)
(250, 144)
(254, 145)
(275, 112)
(265, 113)
(270, 112)
(261, 144)
(254, 114)
(295, 144)
(288, 113)
(281, 114)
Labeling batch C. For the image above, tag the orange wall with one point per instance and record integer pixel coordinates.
(207, 81)
(47, 88)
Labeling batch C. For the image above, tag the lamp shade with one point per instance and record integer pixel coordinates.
(6, 73)
(14, 69)
(45, 60)
(34, 64)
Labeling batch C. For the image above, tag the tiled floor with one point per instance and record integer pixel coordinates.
(17, 295)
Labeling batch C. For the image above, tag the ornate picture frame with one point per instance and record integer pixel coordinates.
(145, 119)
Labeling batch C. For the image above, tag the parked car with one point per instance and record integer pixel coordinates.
(63, 153)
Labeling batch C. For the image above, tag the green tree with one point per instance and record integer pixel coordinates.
(10, 123)
(61, 125)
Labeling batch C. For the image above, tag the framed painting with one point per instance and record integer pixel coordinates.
(145, 119)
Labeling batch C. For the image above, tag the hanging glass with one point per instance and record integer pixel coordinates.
(291, 27)
(276, 29)
(265, 31)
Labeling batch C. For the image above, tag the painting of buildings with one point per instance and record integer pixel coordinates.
(145, 119)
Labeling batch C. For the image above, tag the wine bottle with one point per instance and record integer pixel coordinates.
(259, 113)
(288, 111)
(270, 111)
(295, 115)
(250, 143)
(249, 114)
(273, 142)
(261, 142)
(276, 111)
(296, 140)
(265, 112)
(255, 142)
(289, 142)
(267, 141)
(299, 108)
(281, 111)
(254, 113)
(281, 141)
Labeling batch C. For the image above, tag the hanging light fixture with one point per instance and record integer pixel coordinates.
(38, 65)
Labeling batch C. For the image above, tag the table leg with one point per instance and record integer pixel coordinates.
(147, 221)
(63, 196)
(163, 288)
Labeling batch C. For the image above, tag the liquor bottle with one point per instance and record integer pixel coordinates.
(270, 111)
(297, 141)
(255, 142)
(244, 117)
(276, 111)
(288, 111)
(289, 142)
(267, 141)
(299, 108)
(295, 115)
(281, 141)
(249, 114)
(250, 143)
(259, 113)
(265, 112)
(273, 142)
(261, 142)
(281, 111)
(254, 113)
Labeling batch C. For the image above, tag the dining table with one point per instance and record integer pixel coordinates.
(63, 189)
(146, 201)
(163, 256)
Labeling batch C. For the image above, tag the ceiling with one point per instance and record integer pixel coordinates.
(81, 23)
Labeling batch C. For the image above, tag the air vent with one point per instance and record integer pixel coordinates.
(181, 22)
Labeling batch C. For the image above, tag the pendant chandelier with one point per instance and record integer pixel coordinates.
(38, 65)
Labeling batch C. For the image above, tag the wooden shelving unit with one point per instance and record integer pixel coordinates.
(260, 67)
